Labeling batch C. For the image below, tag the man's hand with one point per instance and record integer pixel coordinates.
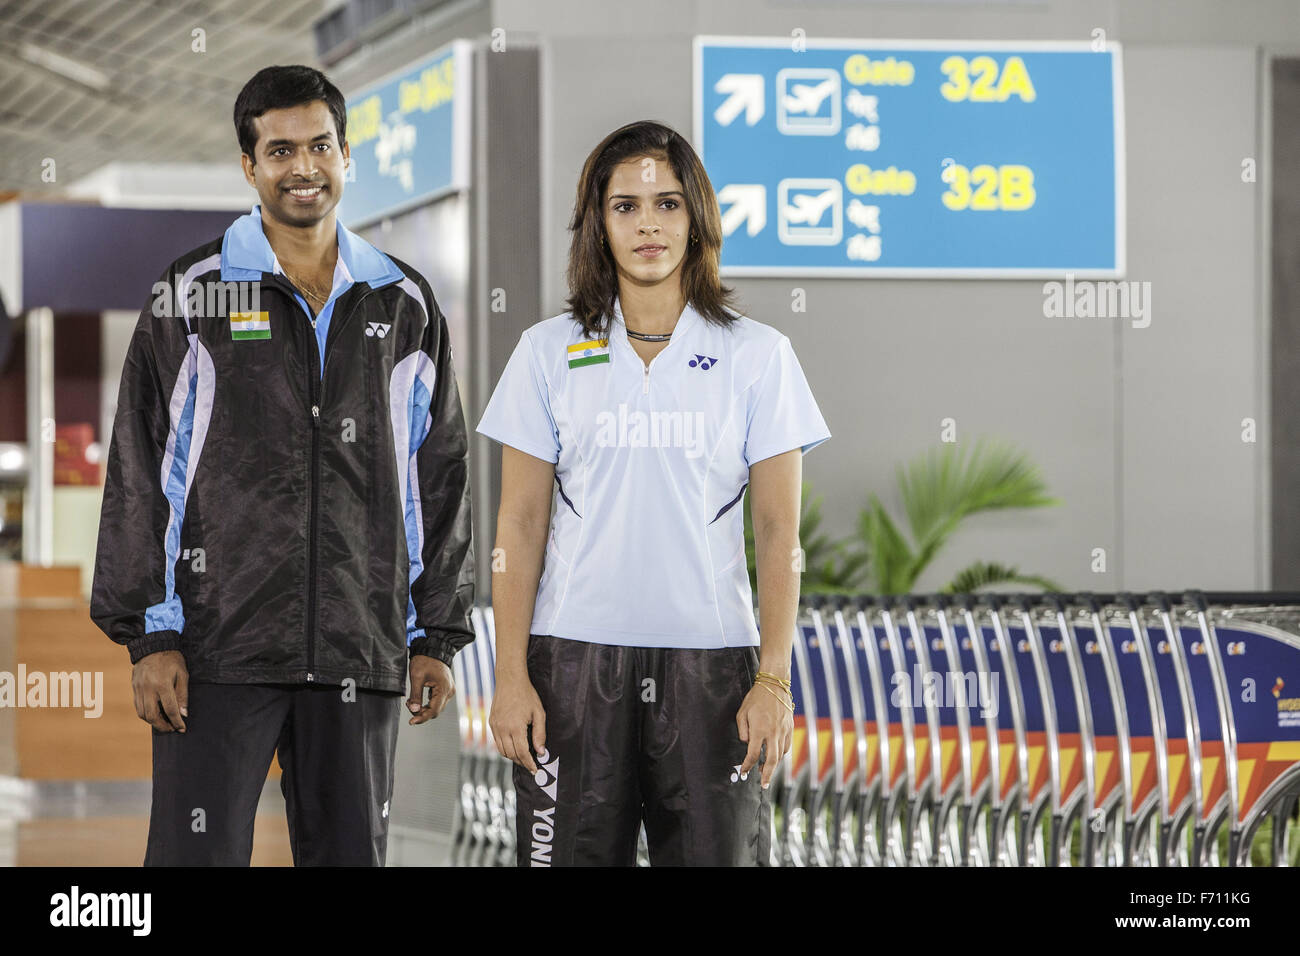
(764, 719)
(516, 706)
(434, 674)
(161, 686)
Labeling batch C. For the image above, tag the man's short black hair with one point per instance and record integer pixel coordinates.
(283, 87)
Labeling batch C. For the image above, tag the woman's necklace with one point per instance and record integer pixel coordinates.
(649, 338)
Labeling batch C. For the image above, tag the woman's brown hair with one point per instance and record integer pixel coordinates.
(593, 279)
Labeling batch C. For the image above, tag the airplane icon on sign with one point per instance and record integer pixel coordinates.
(808, 208)
(801, 205)
(808, 101)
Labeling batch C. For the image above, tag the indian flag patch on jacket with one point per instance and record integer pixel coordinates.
(250, 325)
(591, 352)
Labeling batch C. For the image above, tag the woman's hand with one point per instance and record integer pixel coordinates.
(765, 718)
(515, 705)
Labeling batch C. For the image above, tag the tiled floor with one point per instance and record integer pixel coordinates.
(106, 823)
(120, 841)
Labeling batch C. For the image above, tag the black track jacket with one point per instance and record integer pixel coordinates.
(277, 523)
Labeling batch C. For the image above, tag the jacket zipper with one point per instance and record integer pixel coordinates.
(314, 394)
(311, 552)
(314, 388)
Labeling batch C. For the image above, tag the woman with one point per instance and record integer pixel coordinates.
(631, 682)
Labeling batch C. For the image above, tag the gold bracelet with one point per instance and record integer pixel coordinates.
(768, 679)
(768, 684)
(780, 680)
(788, 704)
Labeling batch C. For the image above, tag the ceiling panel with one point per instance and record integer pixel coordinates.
(162, 102)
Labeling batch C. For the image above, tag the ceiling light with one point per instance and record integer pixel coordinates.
(66, 68)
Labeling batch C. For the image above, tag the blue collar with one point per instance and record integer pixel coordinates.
(246, 254)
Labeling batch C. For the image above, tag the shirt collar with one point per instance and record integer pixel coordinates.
(246, 254)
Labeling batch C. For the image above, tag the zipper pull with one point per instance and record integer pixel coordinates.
(645, 390)
(315, 416)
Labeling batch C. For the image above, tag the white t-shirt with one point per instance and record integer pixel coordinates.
(646, 548)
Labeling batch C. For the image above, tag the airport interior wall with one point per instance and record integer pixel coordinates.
(1137, 429)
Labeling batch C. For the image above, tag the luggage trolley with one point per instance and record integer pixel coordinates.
(927, 819)
(462, 820)
(1074, 797)
(1098, 706)
(801, 768)
(1182, 828)
(1107, 833)
(898, 744)
(1049, 652)
(1211, 733)
(1004, 803)
(847, 736)
(1255, 651)
(977, 728)
(1148, 808)
(825, 730)
(983, 796)
(953, 714)
(1181, 769)
(486, 839)
(467, 849)
(1041, 757)
(883, 780)
(500, 771)
(860, 687)
(921, 750)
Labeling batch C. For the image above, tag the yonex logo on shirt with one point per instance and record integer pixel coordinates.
(702, 361)
(377, 329)
(634, 429)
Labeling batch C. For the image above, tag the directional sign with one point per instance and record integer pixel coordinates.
(409, 137)
(913, 158)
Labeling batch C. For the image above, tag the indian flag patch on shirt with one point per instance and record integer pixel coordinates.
(591, 352)
(250, 325)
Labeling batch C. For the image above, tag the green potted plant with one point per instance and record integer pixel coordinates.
(939, 490)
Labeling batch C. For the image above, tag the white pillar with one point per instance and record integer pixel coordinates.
(38, 511)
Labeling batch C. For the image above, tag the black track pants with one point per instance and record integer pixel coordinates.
(336, 760)
(639, 733)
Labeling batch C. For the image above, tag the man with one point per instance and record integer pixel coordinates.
(286, 513)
